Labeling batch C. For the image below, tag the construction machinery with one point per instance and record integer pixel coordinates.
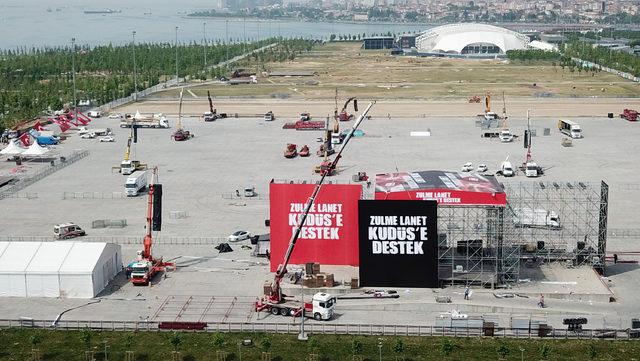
(212, 114)
(269, 116)
(360, 177)
(180, 134)
(630, 115)
(488, 114)
(291, 151)
(305, 123)
(304, 151)
(322, 305)
(146, 266)
(129, 166)
(530, 168)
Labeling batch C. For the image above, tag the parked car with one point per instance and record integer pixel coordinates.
(482, 168)
(467, 167)
(88, 135)
(115, 116)
(239, 236)
(108, 138)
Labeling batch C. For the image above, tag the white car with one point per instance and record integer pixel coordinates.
(88, 135)
(115, 116)
(481, 168)
(467, 167)
(108, 138)
(239, 236)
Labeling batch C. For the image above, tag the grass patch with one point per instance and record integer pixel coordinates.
(17, 344)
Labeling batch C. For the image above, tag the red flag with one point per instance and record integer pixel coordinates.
(38, 126)
(24, 138)
(65, 119)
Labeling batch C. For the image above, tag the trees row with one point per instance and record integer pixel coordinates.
(34, 81)
(619, 60)
(532, 54)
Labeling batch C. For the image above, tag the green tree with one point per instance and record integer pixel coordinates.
(86, 336)
(592, 351)
(503, 350)
(545, 351)
(35, 339)
(446, 346)
(129, 339)
(265, 344)
(398, 346)
(356, 346)
(218, 340)
(175, 339)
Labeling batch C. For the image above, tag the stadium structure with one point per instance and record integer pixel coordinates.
(470, 39)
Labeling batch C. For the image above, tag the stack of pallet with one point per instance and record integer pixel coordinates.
(314, 278)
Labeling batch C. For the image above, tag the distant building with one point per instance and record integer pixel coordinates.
(360, 17)
(378, 42)
(553, 38)
(469, 39)
(407, 41)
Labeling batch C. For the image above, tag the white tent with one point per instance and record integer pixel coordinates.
(12, 149)
(88, 269)
(14, 261)
(57, 269)
(42, 272)
(35, 150)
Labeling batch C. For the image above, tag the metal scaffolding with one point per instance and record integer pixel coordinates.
(542, 222)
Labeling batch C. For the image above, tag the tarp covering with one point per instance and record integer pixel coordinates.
(12, 149)
(448, 188)
(57, 269)
(35, 150)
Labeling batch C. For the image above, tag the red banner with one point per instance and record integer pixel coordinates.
(447, 197)
(330, 234)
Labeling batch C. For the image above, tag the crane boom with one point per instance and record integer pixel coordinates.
(179, 125)
(127, 150)
(276, 295)
(213, 111)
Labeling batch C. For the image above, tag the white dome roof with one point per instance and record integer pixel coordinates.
(453, 38)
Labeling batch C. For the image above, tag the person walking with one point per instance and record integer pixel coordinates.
(541, 302)
(466, 293)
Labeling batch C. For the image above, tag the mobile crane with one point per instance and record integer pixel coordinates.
(145, 266)
(128, 166)
(322, 304)
(180, 134)
(212, 114)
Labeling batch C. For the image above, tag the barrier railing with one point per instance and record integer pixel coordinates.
(330, 328)
(123, 239)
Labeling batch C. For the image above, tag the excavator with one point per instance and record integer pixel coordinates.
(212, 114)
(129, 166)
(322, 304)
(180, 134)
(304, 151)
(145, 266)
(291, 151)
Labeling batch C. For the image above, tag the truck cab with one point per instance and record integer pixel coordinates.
(127, 167)
(531, 169)
(505, 136)
(507, 169)
(322, 306)
(140, 272)
(249, 191)
(67, 230)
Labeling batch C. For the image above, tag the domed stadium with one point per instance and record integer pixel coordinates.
(470, 39)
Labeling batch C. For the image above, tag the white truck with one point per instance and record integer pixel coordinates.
(505, 136)
(570, 128)
(320, 308)
(531, 169)
(135, 183)
(157, 120)
(94, 114)
(536, 218)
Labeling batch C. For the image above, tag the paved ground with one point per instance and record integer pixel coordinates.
(227, 155)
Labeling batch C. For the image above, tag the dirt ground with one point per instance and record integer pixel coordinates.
(376, 74)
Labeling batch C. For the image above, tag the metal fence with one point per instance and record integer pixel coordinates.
(331, 329)
(203, 241)
(43, 172)
(95, 195)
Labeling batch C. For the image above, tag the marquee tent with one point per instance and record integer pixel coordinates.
(57, 269)
(12, 149)
(35, 150)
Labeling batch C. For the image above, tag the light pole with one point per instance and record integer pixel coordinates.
(302, 336)
(73, 73)
(380, 348)
(135, 75)
(239, 351)
(204, 41)
(177, 56)
(226, 31)
(244, 34)
(522, 354)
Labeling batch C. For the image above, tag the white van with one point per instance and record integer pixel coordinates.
(507, 169)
